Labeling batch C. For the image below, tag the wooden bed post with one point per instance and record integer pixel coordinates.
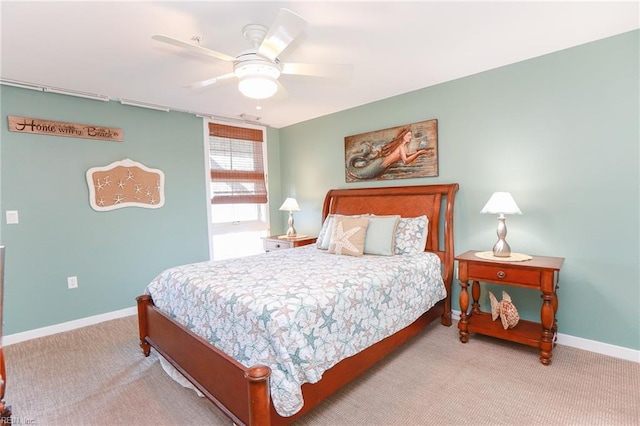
(143, 302)
(449, 254)
(259, 395)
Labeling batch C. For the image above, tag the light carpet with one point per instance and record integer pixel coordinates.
(97, 375)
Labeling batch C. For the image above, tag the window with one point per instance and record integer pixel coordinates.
(237, 165)
(239, 209)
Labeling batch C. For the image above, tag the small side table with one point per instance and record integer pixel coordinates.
(278, 242)
(540, 273)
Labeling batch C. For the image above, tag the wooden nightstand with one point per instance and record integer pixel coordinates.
(540, 273)
(274, 242)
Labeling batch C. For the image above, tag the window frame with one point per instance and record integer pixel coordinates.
(225, 227)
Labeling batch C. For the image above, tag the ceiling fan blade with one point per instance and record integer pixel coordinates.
(210, 81)
(282, 92)
(193, 47)
(286, 27)
(318, 70)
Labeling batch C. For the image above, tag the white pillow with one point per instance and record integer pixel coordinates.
(411, 235)
(381, 232)
(324, 236)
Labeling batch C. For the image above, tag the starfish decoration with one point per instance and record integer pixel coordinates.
(297, 359)
(284, 310)
(100, 185)
(138, 188)
(266, 315)
(129, 175)
(342, 238)
(119, 199)
(328, 320)
(310, 338)
(121, 184)
(358, 327)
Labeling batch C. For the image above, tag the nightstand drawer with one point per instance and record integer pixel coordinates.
(500, 273)
(271, 245)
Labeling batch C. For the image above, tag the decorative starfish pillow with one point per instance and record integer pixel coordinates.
(411, 235)
(348, 235)
(505, 309)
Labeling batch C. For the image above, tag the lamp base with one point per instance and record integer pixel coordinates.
(291, 233)
(501, 249)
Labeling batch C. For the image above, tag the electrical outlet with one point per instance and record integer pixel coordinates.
(72, 282)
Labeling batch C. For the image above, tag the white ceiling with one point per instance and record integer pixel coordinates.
(394, 47)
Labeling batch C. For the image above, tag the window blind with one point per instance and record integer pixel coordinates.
(237, 171)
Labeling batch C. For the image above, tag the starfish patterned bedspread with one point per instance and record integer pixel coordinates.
(299, 311)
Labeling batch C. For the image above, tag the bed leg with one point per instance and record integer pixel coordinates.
(259, 395)
(446, 318)
(143, 302)
(446, 314)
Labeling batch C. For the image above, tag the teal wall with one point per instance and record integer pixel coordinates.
(116, 253)
(560, 132)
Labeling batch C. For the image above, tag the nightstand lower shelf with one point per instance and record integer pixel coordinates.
(526, 332)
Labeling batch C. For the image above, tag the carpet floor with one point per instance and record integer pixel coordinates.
(97, 375)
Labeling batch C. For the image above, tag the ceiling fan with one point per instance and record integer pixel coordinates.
(259, 68)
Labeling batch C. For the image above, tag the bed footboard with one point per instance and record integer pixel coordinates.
(241, 393)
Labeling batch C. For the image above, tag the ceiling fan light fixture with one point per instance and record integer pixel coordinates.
(258, 86)
(257, 78)
(256, 67)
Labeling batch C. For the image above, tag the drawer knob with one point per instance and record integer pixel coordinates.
(277, 245)
(501, 274)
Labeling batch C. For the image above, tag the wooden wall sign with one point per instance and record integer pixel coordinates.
(125, 183)
(61, 128)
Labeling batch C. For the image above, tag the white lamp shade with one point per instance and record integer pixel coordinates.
(290, 204)
(501, 203)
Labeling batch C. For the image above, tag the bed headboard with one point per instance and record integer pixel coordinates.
(407, 201)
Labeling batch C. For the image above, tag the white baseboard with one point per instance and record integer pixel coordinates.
(563, 339)
(588, 345)
(66, 326)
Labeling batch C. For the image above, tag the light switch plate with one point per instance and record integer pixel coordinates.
(12, 217)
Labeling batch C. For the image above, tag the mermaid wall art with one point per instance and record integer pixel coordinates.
(402, 152)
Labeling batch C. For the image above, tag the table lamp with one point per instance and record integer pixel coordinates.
(501, 203)
(290, 205)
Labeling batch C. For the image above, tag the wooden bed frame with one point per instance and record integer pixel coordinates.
(243, 393)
